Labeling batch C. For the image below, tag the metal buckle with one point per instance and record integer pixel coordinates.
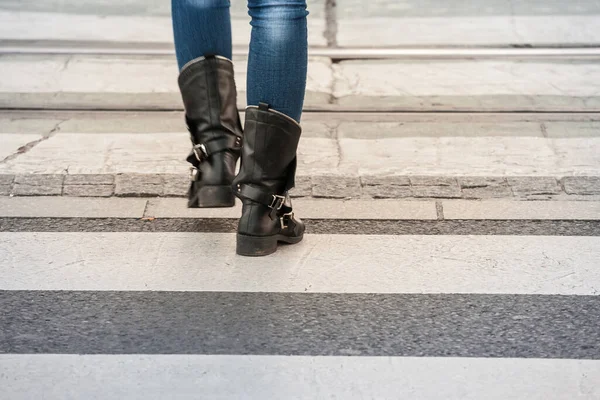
(285, 217)
(200, 152)
(193, 173)
(277, 202)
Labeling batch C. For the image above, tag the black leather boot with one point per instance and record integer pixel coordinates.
(209, 96)
(266, 174)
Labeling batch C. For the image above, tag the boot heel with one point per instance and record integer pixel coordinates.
(255, 246)
(212, 197)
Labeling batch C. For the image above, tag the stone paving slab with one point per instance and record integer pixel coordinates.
(368, 209)
(471, 156)
(363, 125)
(164, 153)
(345, 9)
(71, 207)
(530, 210)
(580, 188)
(12, 142)
(476, 30)
(115, 28)
(579, 185)
(317, 125)
(149, 82)
(308, 208)
(389, 27)
(452, 8)
(117, 82)
(38, 185)
(406, 129)
(146, 154)
(483, 84)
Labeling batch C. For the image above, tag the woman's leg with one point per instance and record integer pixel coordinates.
(278, 56)
(203, 45)
(276, 84)
(201, 27)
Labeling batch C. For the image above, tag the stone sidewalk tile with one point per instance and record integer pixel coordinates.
(349, 9)
(175, 185)
(437, 192)
(386, 187)
(435, 187)
(582, 185)
(89, 179)
(88, 190)
(450, 84)
(471, 156)
(6, 179)
(89, 185)
(445, 128)
(16, 25)
(465, 30)
(584, 188)
(138, 185)
(106, 153)
(564, 129)
(515, 210)
(336, 187)
(12, 142)
(534, 187)
(71, 207)
(303, 187)
(38, 185)
(432, 181)
(164, 153)
(120, 81)
(484, 187)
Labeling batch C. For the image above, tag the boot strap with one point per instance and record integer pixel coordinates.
(273, 201)
(202, 151)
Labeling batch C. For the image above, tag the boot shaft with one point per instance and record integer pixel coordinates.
(266, 174)
(269, 150)
(209, 96)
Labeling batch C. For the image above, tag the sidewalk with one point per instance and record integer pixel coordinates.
(522, 157)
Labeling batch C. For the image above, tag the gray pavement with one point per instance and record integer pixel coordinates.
(472, 157)
(389, 23)
(344, 8)
(316, 185)
(166, 323)
(149, 82)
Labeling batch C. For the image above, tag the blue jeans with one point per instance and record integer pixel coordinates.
(278, 57)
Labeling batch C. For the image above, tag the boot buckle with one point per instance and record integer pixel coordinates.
(193, 173)
(200, 152)
(285, 218)
(277, 202)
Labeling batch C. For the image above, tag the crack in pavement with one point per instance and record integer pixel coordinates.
(336, 136)
(28, 146)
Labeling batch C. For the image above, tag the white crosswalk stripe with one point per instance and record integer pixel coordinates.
(263, 377)
(321, 264)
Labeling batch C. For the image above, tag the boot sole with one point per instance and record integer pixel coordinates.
(212, 197)
(257, 246)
